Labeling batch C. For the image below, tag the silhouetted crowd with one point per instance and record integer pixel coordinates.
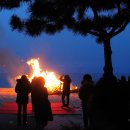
(40, 103)
(105, 104)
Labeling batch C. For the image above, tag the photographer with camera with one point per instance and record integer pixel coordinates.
(66, 90)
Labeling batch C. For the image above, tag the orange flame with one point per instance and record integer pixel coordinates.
(52, 82)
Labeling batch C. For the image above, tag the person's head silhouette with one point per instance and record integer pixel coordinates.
(41, 81)
(87, 77)
(24, 77)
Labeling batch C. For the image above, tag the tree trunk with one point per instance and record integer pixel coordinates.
(108, 69)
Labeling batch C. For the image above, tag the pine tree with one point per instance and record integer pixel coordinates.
(103, 19)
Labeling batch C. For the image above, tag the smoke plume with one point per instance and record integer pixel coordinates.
(11, 65)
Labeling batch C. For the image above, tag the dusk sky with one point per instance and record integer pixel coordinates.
(64, 52)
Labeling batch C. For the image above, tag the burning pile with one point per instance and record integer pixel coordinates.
(52, 82)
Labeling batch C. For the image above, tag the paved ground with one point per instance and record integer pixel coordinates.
(9, 122)
(63, 117)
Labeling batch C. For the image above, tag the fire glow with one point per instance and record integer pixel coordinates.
(52, 82)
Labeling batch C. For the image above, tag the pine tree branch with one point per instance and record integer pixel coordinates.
(94, 33)
(112, 34)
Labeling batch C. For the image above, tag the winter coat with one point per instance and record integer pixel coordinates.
(22, 89)
(66, 85)
(42, 106)
(86, 92)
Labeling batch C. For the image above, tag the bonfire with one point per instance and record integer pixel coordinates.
(52, 82)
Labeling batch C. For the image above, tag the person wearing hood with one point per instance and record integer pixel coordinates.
(86, 95)
(22, 89)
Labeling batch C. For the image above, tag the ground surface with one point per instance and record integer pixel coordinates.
(11, 108)
(62, 117)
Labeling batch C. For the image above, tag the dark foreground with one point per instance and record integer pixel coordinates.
(9, 122)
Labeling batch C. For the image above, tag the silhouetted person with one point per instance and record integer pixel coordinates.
(129, 79)
(22, 89)
(123, 80)
(129, 100)
(128, 83)
(41, 104)
(109, 105)
(124, 101)
(33, 89)
(86, 92)
(66, 90)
